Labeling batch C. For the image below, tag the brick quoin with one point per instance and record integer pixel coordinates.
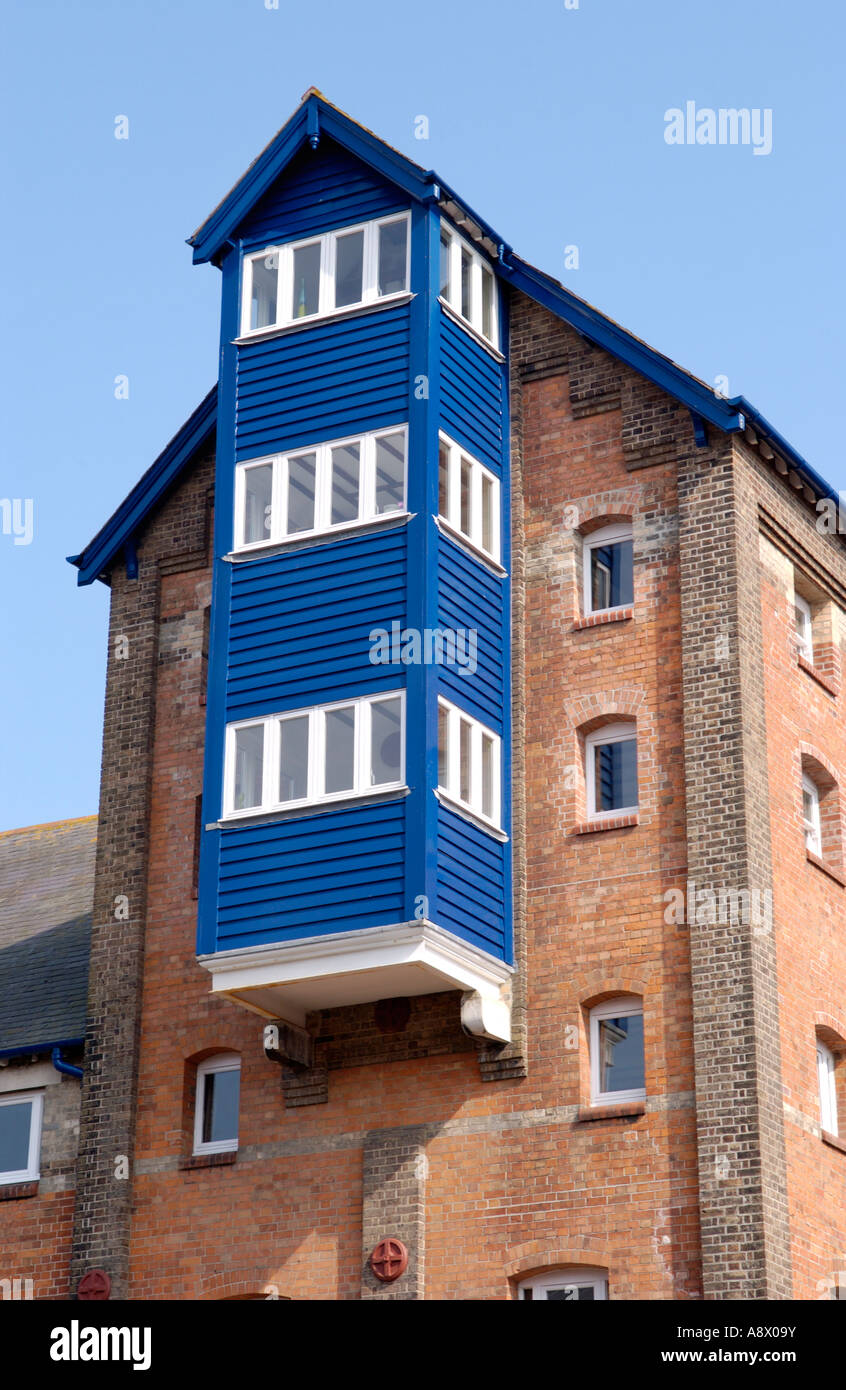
(719, 1185)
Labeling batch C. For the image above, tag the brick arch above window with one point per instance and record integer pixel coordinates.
(816, 765)
(619, 987)
(831, 1029)
(250, 1282)
(534, 1257)
(604, 508)
(590, 712)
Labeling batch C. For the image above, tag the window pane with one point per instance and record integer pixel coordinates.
(466, 495)
(487, 514)
(340, 750)
(443, 747)
(615, 769)
(263, 300)
(346, 468)
(466, 278)
(386, 742)
(349, 266)
(611, 575)
(220, 1106)
(487, 302)
(293, 765)
(301, 482)
(443, 481)
(392, 257)
(621, 1054)
(390, 473)
(15, 1123)
(487, 775)
(446, 241)
(249, 751)
(306, 299)
(464, 759)
(258, 492)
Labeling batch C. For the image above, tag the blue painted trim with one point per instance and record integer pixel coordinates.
(100, 553)
(700, 433)
(505, 557)
(311, 120)
(66, 1068)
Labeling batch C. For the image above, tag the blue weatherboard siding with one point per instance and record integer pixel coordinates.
(291, 629)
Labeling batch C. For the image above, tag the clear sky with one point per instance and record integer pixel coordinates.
(548, 119)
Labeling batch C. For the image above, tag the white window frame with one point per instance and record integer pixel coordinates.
(813, 825)
(621, 732)
(619, 1007)
(280, 464)
(452, 517)
(451, 791)
(316, 715)
(826, 1065)
(31, 1172)
(453, 295)
(607, 535)
(542, 1284)
(326, 292)
(221, 1061)
(804, 627)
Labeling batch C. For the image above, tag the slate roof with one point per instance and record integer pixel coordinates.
(46, 897)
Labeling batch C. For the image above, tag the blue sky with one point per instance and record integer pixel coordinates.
(549, 120)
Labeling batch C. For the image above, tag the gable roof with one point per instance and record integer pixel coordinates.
(46, 898)
(316, 116)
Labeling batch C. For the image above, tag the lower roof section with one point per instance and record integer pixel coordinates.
(288, 980)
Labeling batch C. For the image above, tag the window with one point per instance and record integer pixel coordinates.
(468, 497)
(611, 770)
(828, 1091)
(310, 491)
(324, 274)
(804, 627)
(468, 762)
(609, 575)
(216, 1112)
(811, 815)
(566, 1285)
(20, 1136)
(467, 284)
(616, 1052)
(309, 756)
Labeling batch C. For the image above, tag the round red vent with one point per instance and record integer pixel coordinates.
(389, 1260)
(96, 1284)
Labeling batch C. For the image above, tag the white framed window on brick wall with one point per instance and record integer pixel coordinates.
(328, 487)
(566, 1286)
(804, 620)
(608, 562)
(826, 1080)
(811, 815)
(469, 763)
(468, 285)
(309, 757)
(617, 1065)
(20, 1136)
(611, 770)
(468, 497)
(327, 274)
(217, 1104)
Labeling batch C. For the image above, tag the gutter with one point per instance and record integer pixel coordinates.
(66, 1068)
(53, 1047)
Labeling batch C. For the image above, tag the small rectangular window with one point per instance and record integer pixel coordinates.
(20, 1136)
(393, 256)
(468, 763)
(390, 473)
(617, 1052)
(293, 762)
(611, 770)
(468, 284)
(468, 497)
(804, 627)
(349, 269)
(217, 1105)
(249, 756)
(265, 278)
(302, 483)
(346, 483)
(811, 816)
(385, 741)
(306, 292)
(827, 1087)
(609, 569)
(258, 492)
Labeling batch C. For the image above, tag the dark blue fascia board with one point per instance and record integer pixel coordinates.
(28, 1049)
(780, 445)
(118, 531)
(313, 118)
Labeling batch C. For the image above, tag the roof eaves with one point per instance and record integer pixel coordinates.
(93, 561)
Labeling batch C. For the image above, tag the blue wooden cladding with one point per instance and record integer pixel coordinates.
(291, 626)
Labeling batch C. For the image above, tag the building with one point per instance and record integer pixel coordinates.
(46, 889)
(470, 863)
